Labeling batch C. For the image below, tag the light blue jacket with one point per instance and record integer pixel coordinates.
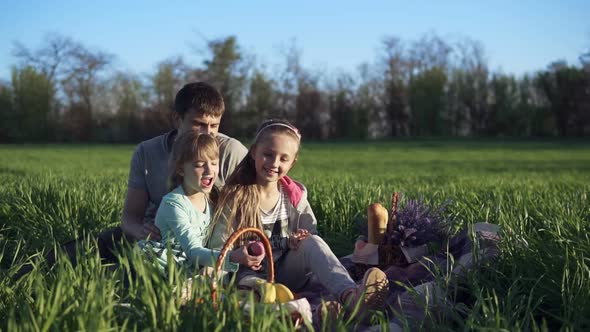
(180, 223)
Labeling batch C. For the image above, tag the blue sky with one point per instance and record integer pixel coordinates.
(518, 36)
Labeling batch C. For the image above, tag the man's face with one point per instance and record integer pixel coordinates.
(203, 124)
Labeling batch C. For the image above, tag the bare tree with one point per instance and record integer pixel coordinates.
(395, 85)
(170, 76)
(585, 60)
(82, 71)
(430, 51)
(81, 85)
(567, 89)
(73, 70)
(427, 61)
(128, 99)
(341, 97)
(290, 78)
(471, 76)
(32, 104)
(227, 70)
(260, 102)
(50, 59)
(369, 96)
(7, 114)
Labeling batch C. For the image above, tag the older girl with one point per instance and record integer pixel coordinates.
(260, 194)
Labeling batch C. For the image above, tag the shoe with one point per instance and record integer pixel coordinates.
(372, 293)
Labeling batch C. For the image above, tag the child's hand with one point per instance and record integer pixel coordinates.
(241, 257)
(297, 237)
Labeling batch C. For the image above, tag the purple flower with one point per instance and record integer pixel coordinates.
(417, 224)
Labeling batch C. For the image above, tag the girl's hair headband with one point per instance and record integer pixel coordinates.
(282, 125)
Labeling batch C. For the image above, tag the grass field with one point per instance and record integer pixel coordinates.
(537, 191)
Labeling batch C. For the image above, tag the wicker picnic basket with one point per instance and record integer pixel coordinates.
(230, 243)
(390, 253)
(296, 317)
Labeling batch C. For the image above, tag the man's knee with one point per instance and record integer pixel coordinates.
(110, 241)
(114, 234)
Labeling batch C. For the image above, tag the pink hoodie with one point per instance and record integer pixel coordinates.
(293, 190)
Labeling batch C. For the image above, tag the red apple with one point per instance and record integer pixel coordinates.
(255, 248)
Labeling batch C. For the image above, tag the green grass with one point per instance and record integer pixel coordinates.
(537, 191)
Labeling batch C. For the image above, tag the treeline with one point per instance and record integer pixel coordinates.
(65, 91)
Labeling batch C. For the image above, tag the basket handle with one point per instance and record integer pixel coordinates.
(391, 222)
(227, 246)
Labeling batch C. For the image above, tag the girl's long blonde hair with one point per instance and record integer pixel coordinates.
(240, 199)
(188, 147)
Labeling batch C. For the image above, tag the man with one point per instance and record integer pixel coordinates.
(197, 106)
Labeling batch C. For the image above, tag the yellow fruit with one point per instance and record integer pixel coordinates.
(284, 294)
(268, 293)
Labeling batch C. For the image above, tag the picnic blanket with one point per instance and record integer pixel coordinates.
(413, 287)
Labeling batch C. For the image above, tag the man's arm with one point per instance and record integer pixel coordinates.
(232, 155)
(136, 202)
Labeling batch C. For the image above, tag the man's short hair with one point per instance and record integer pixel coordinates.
(200, 96)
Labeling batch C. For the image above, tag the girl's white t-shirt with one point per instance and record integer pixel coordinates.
(277, 233)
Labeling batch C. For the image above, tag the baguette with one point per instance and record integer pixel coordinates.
(377, 223)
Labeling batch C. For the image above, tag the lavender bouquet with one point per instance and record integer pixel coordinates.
(413, 231)
(416, 224)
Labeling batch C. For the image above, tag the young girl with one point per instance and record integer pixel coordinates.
(184, 215)
(260, 194)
